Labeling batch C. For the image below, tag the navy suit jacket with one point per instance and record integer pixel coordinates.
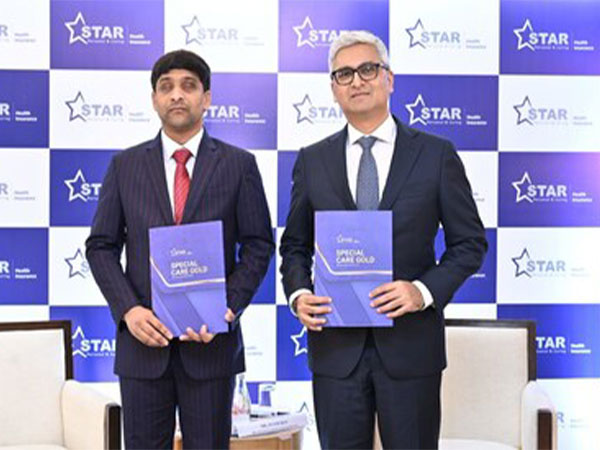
(226, 185)
(426, 186)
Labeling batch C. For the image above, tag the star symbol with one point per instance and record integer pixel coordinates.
(300, 30)
(417, 29)
(78, 335)
(75, 107)
(517, 186)
(521, 263)
(75, 27)
(521, 45)
(522, 114)
(72, 184)
(310, 417)
(303, 110)
(193, 30)
(77, 265)
(419, 102)
(296, 338)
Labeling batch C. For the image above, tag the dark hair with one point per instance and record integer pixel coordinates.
(181, 59)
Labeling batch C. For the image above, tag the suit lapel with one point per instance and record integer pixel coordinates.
(334, 159)
(405, 155)
(207, 159)
(156, 173)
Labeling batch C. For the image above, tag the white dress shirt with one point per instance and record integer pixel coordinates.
(383, 150)
(169, 146)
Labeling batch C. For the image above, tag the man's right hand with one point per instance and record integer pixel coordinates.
(308, 306)
(146, 328)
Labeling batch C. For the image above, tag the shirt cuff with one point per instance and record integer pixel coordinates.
(297, 293)
(427, 297)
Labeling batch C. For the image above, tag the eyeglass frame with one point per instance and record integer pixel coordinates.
(355, 70)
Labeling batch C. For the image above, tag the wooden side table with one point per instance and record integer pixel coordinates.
(284, 440)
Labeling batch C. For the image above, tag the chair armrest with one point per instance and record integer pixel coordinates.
(90, 419)
(538, 419)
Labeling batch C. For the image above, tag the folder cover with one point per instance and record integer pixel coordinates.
(187, 274)
(353, 255)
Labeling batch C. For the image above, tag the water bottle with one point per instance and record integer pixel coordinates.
(241, 399)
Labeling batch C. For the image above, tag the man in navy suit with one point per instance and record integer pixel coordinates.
(376, 162)
(181, 176)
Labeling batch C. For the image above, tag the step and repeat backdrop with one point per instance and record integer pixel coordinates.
(515, 85)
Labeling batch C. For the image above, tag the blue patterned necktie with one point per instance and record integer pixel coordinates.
(367, 183)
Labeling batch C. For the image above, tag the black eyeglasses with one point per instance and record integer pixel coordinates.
(366, 71)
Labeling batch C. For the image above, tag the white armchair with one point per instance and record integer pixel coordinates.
(490, 397)
(41, 406)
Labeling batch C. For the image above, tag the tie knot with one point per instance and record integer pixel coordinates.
(182, 155)
(366, 142)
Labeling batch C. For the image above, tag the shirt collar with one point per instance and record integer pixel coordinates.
(385, 132)
(169, 145)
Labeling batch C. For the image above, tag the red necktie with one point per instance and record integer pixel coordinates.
(182, 182)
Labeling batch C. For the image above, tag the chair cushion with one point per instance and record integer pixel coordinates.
(482, 386)
(32, 374)
(472, 444)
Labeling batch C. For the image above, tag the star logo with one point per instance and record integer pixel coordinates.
(303, 31)
(303, 110)
(77, 265)
(522, 185)
(416, 30)
(521, 264)
(74, 185)
(300, 348)
(523, 111)
(75, 29)
(75, 107)
(416, 118)
(528, 29)
(77, 337)
(309, 416)
(304, 408)
(192, 31)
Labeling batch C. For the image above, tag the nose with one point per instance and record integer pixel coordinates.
(176, 94)
(357, 81)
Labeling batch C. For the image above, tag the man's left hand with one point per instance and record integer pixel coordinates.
(203, 335)
(396, 298)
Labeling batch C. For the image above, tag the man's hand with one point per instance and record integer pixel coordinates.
(146, 328)
(203, 335)
(396, 298)
(308, 306)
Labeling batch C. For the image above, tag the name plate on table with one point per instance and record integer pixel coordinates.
(353, 255)
(187, 274)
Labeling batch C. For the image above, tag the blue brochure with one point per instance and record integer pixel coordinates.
(353, 255)
(187, 274)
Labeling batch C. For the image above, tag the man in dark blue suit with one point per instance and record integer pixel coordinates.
(181, 176)
(376, 162)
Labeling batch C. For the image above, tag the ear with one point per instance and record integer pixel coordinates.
(390, 81)
(335, 100)
(207, 100)
(154, 101)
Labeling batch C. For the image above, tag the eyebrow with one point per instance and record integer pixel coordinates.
(356, 67)
(164, 78)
